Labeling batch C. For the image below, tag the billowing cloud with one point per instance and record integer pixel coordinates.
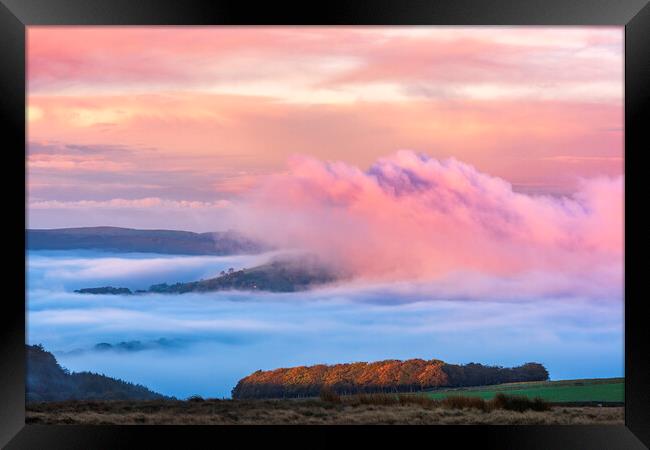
(412, 216)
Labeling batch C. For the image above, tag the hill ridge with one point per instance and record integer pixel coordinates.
(118, 239)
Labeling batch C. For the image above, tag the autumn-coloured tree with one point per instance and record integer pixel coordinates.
(381, 376)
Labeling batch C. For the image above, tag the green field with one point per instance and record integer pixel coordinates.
(594, 390)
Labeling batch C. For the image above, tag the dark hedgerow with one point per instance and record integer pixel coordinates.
(519, 403)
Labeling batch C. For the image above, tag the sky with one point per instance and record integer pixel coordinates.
(186, 127)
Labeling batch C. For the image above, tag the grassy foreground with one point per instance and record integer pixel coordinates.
(566, 391)
(330, 408)
(534, 403)
(309, 412)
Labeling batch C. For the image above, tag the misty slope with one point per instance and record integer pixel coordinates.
(132, 240)
(47, 381)
(279, 275)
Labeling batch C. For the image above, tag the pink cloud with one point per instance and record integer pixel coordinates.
(236, 184)
(472, 55)
(411, 216)
(336, 57)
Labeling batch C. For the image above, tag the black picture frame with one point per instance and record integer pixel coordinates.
(16, 15)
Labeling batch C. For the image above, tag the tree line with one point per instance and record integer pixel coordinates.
(383, 376)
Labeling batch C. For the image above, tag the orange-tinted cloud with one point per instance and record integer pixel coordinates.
(517, 140)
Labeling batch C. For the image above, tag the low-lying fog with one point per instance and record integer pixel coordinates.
(204, 343)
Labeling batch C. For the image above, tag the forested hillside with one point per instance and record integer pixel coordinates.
(47, 381)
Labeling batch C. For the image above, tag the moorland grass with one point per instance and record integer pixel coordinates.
(389, 409)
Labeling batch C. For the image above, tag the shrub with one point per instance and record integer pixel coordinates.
(328, 395)
(195, 398)
(422, 400)
(461, 402)
(540, 404)
(518, 403)
(373, 399)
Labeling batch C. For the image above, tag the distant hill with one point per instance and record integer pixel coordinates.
(47, 381)
(105, 290)
(280, 275)
(152, 241)
(383, 376)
